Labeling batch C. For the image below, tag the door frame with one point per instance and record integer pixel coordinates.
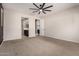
(22, 31)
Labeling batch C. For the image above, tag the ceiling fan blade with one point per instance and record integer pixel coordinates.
(33, 9)
(44, 12)
(35, 5)
(48, 7)
(39, 12)
(42, 5)
(47, 10)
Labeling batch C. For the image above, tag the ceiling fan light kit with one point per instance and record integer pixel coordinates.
(41, 8)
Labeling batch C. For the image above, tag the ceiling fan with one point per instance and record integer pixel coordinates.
(41, 8)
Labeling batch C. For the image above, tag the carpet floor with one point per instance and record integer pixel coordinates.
(39, 46)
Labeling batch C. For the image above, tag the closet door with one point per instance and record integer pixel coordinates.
(1, 23)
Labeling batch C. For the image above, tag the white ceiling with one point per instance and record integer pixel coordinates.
(24, 7)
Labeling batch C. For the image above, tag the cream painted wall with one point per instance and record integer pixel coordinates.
(42, 27)
(63, 25)
(12, 25)
(32, 27)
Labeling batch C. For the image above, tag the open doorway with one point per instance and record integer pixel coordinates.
(37, 27)
(25, 27)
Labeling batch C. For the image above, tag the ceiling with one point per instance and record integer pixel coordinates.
(24, 7)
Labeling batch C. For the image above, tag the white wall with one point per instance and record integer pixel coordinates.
(12, 25)
(12, 29)
(42, 27)
(63, 25)
(32, 27)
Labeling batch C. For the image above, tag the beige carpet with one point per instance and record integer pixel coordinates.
(39, 46)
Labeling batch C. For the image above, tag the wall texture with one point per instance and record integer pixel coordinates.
(63, 25)
(12, 24)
